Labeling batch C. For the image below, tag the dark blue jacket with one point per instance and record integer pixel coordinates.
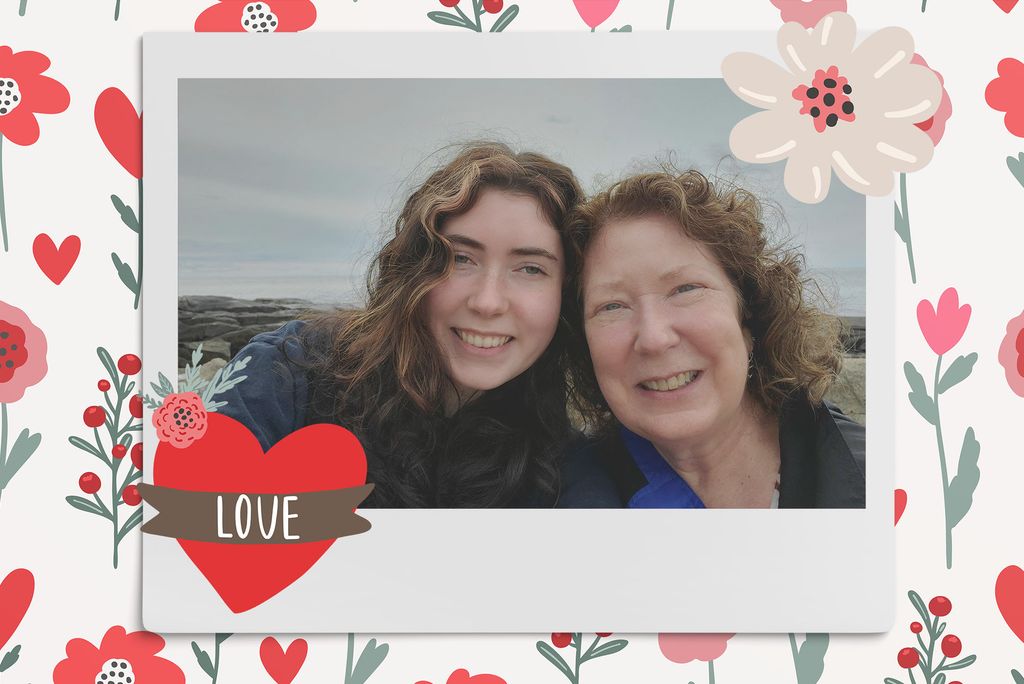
(272, 403)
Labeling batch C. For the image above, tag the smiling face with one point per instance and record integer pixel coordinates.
(662, 321)
(498, 311)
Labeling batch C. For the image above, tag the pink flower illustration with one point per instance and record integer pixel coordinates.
(22, 353)
(1005, 93)
(944, 325)
(684, 648)
(133, 655)
(808, 13)
(1011, 354)
(594, 12)
(935, 126)
(181, 420)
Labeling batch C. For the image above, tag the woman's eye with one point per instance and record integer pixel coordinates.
(532, 270)
(462, 258)
(685, 288)
(610, 306)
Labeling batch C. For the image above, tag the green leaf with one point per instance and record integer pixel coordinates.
(961, 664)
(1016, 166)
(960, 494)
(24, 446)
(83, 445)
(900, 223)
(919, 606)
(939, 678)
(221, 638)
(957, 372)
(608, 648)
(810, 662)
(628, 28)
(446, 19)
(131, 523)
(914, 379)
(10, 658)
(890, 680)
(126, 212)
(924, 405)
(125, 273)
(368, 661)
(502, 22)
(1018, 678)
(548, 652)
(204, 659)
(108, 364)
(85, 505)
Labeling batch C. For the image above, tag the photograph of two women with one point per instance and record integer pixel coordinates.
(517, 297)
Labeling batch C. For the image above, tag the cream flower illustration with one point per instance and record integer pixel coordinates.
(838, 107)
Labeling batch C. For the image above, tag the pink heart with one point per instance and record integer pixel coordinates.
(944, 325)
(901, 504)
(594, 12)
(282, 666)
(1006, 5)
(53, 262)
(1010, 598)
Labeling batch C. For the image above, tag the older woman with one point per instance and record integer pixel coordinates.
(706, 369)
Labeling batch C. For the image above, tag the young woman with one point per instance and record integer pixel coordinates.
(452, 377)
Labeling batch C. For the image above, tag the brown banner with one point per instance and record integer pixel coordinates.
(247, 518)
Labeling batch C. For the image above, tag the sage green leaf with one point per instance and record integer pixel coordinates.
(203, 659)
(1016, 166)
(940, 678)
(131, 523)
(914, 379)
(810, 663)
(368, 662)
(446, 19)
(628, 28)
(890, 680)
(221, 638)
(924, 405)
(957, 372)
(1018, 678)
(24, 446)
(901, 224)
(85, 505)
(608, 648)
(125, 273)
(919, 606)
(502, 22)
(961, 664)
(10, 658)
(108, 364)
(960, 494)
(548, 652)
(126, 212)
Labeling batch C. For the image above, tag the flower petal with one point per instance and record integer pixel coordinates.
(908, 92)
(44, 95)
(835, 34)
(221, 17)
(764, 137)
(905, 148)
(20, 126)
(880, 53)
(758, 81)
(799, 51)
(861, 166)
(1005, 92)
(296, 15)
(808, 173)
(27, 63)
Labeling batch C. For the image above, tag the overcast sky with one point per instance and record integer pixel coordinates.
(284, 179)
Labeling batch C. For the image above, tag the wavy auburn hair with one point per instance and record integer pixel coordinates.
(797, 351)
(380, 373)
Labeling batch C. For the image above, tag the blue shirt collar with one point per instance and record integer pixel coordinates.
(665, 488)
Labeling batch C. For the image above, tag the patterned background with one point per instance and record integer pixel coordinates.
(63, 605)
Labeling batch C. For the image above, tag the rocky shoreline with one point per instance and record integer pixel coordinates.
(223, 325)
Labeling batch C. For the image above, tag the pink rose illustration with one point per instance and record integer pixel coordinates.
(944, 325)
(181, 420)
(808, 13)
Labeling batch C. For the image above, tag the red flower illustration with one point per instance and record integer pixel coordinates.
(683, 648)
(15, 597)
(943, 326)
(808, 12)
(935, 126)
(120, 129)
(181, 420)
(257, 16)
(132, 654)
(594, 12)
(1005, 93)
(462, 676)
(22, 353)
(1011, 354)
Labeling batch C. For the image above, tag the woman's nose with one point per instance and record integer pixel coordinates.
(655, 331)
(490, 297)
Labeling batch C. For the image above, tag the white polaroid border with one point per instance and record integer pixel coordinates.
(628, 571)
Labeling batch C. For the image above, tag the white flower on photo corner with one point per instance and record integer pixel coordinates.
(837, 108)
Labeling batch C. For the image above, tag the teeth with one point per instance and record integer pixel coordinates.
(675, 382)
(482, 341)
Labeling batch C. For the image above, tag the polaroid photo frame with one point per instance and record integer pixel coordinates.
(517, 570)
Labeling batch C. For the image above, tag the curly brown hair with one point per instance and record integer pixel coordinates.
(797, 350)
(378, 371)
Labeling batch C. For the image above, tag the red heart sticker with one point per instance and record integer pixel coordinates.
(901, 504)
(53, 262)
(1010, 598)
(15, 596)
(1006, 5)
(228, 458)
(283, 666)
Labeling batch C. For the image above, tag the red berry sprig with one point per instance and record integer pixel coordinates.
(575, 639)
(929, 631)
(471, 18)
(115, 426)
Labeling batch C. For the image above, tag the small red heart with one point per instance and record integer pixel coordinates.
(1010, 598)
(53, 262)
(15, 596)
(901, 504)
(282, 666)
(1006, 5)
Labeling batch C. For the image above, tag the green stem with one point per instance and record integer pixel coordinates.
(138, 281)
(942, 466)
(579, 645)
(21, 8)
(117, 10)
(478, 8)
(668, 21)
(3, 211)
(3, 439)
(113, 504)
(593, 29)
(216, 659)
(711, 671)
(906, 221)
(912, 680)
(348, 659)
(796, 653)
(924, 3)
